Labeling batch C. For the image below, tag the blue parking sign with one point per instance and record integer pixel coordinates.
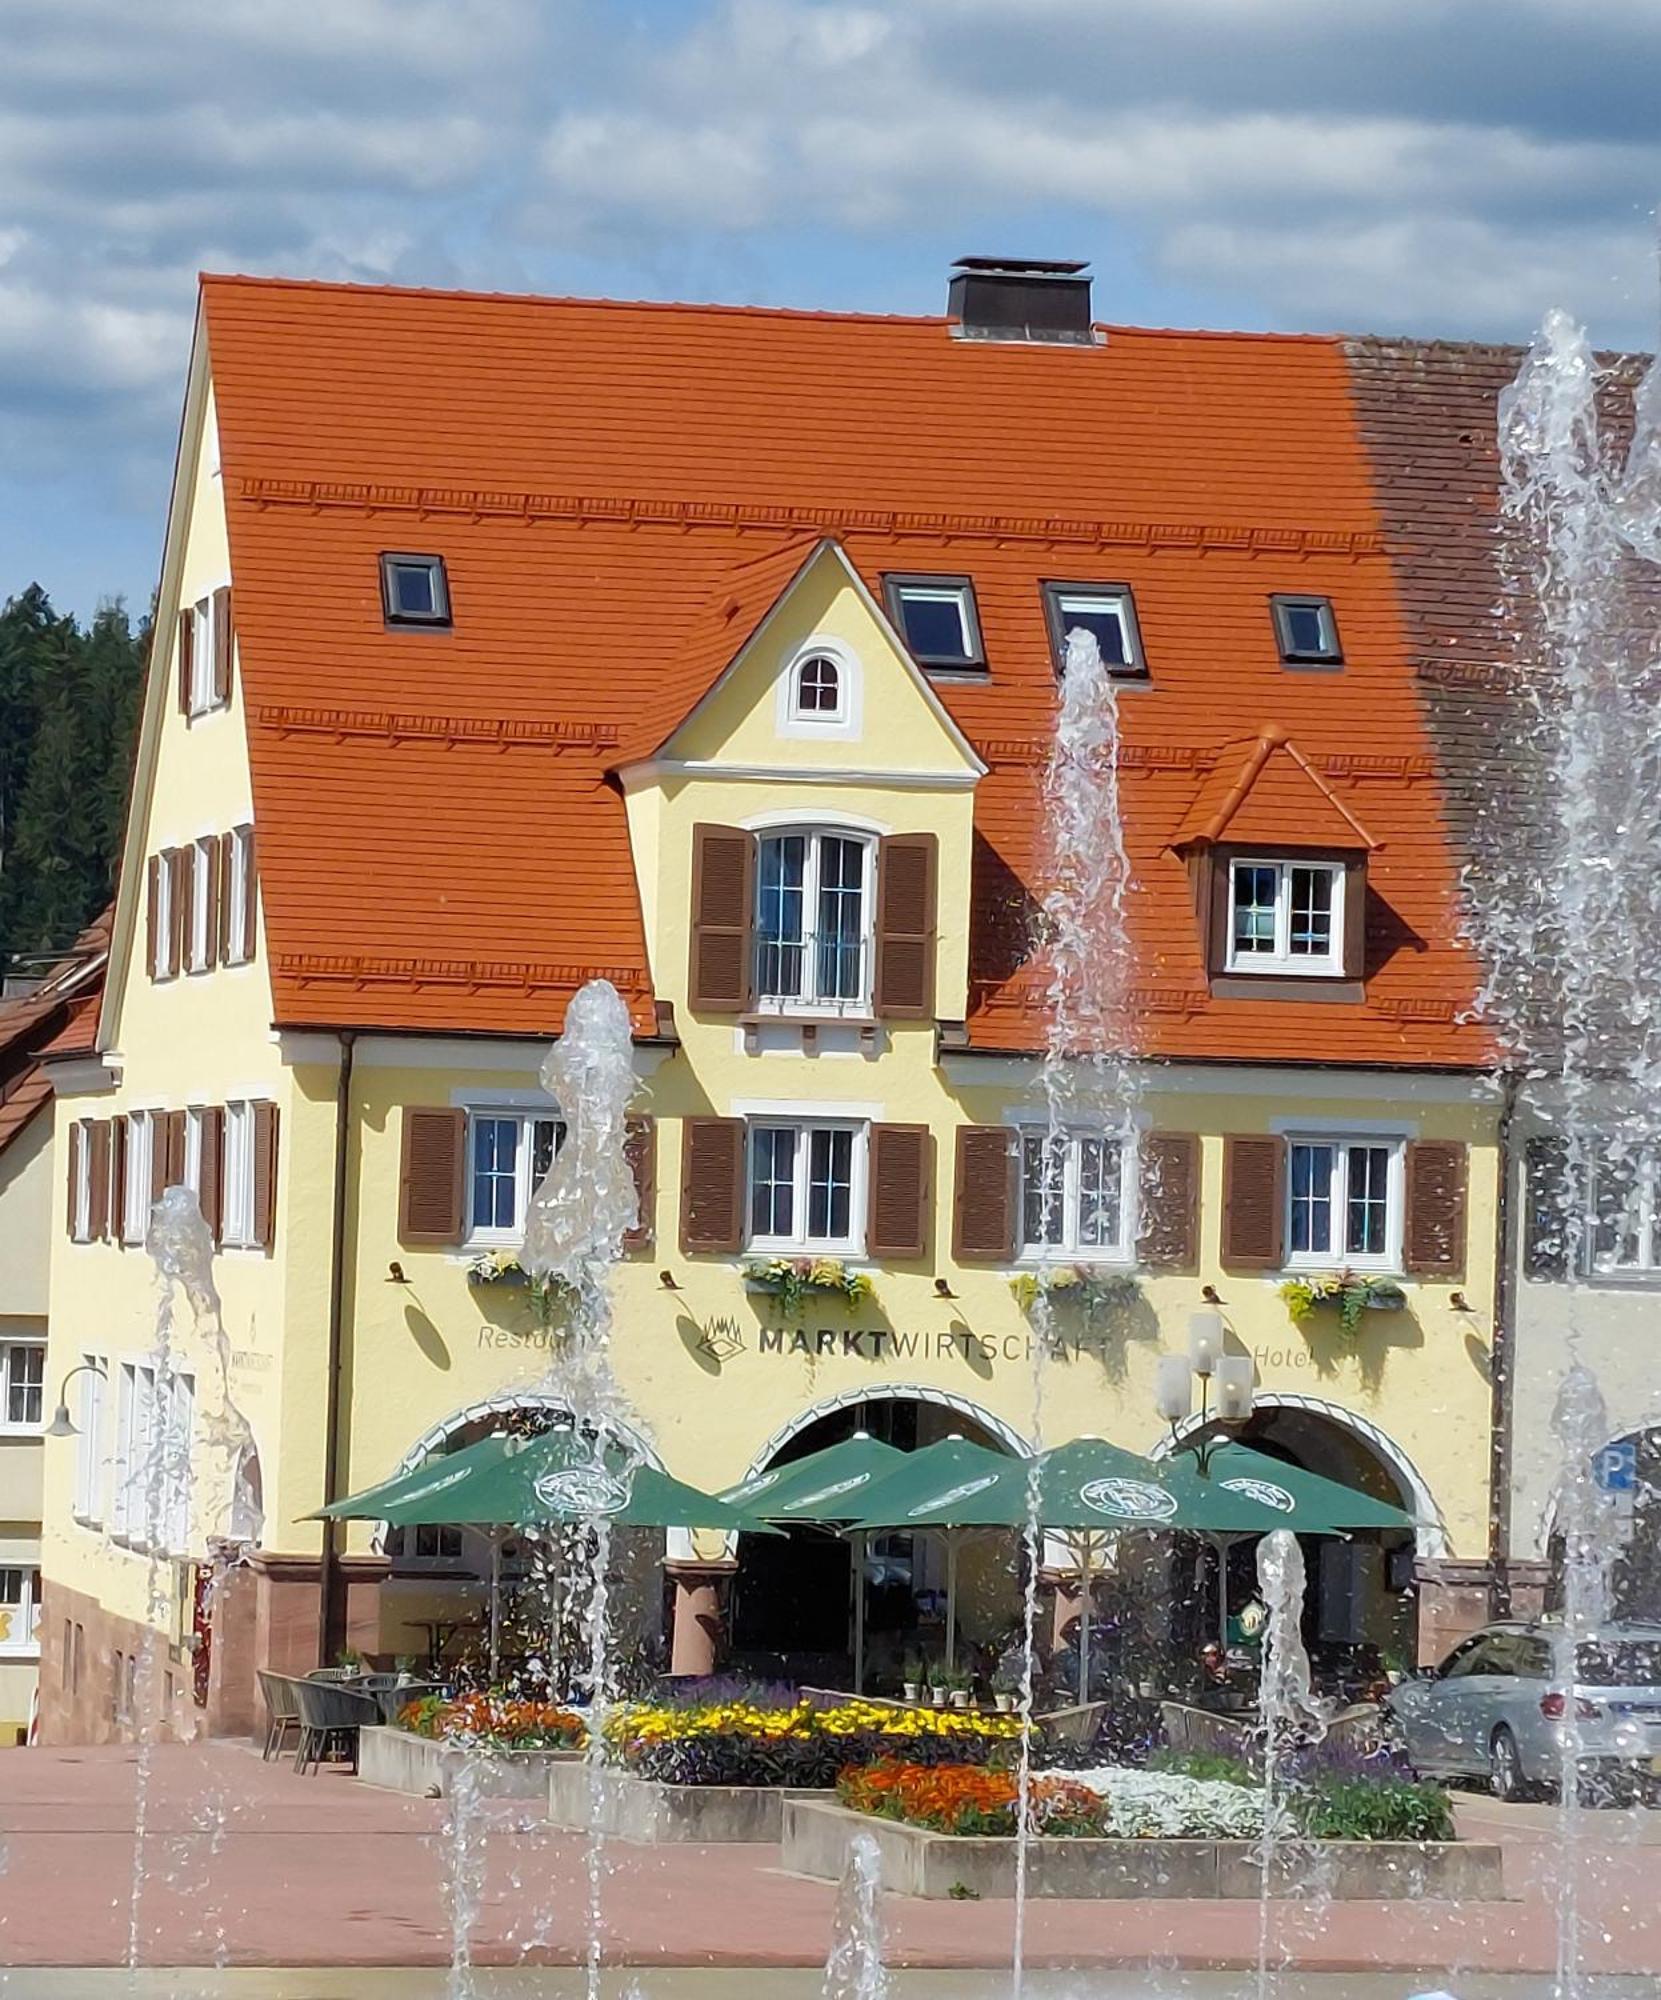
(1615, 1468)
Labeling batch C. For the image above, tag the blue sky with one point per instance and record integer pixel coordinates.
(1444, 167)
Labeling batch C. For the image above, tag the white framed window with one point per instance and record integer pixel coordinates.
(1106, 611)
(1285, 916)
(199, 946)
(23, 1385)
(239, 943)
(201, 656)
(817, 690)
(193, 1150)
(155, 1419)
(90, 1460)
(1344, 1202)
(236, 1229)
(81, 1195)
(1074, 1197)
(815, 911)
(19, 1611)
(936, 617)
(136, 1198)
(1625, 1223)
(508, 1154)
(807, 1187)
(161, 891)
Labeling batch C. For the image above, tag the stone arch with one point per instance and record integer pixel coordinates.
(890, 1392)
(1428, 1516)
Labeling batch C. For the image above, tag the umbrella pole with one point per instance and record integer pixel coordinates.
(1222, 1592)
(951, 1599)
(859, 1612)
(495, 1604)
(1084, 1619)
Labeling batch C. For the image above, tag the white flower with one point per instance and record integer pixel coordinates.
(1163, 1805)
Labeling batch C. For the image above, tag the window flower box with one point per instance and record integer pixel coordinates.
(1083, 1285)
(1352, 1292)
(796, 1280)
(548, 1296)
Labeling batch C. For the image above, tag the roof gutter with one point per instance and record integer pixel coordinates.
(331, 1607)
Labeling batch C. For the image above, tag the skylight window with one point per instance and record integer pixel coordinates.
(1307, 631)
(936, 618)
(1106, 611)
(414, 590)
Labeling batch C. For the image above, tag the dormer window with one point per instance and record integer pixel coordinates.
(936, 617)
(1285, 916)
(1106, 611)
(817, 695)
(414, 590)
(1307, 631)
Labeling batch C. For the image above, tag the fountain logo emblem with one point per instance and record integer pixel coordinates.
(1265, 1492)
(832, 1492)
(581, 1490)
(1128, 1499)
(938, 1500)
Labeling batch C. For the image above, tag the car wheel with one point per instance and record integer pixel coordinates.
(1505, 1769)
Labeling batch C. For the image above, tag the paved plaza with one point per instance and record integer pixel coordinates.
(248, 1865)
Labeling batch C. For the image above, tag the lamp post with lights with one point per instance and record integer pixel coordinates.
(1225, 1382)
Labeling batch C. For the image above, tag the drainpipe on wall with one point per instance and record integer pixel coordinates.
(331, 1607)
(1501, 1359)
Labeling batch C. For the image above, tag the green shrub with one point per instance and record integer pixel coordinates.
(1375, 1809)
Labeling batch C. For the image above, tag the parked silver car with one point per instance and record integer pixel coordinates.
(1496, 1708)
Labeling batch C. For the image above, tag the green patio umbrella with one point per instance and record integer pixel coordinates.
(372, 1503)
(827, 1486)
(953, 1466)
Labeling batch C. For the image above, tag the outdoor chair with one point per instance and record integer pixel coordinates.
(330, 1719)
(1076, 1725)
(1200, 1731)
(282, 1712)
(335, 1674)
(1355, 1728)
(393, 1692)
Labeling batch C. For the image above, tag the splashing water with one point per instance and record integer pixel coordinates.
(1288, 1711)
(1566, 898)
(1088, 1078)
(855, 1969)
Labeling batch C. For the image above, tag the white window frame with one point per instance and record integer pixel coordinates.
(799, 1243)
(1341, 1143)
(26, 1644)
(138, 1194)
(527, 1117)
(1281, 961)
(193, 1150)
(81, 1229)
(955, 591)
(236, 1231)
(11, 1362)
(161, 957)
(91, 1461)
(1069, 1250)
(1115, 599)
(239, 946)
(201, 656)
(1646, 1219)
(199, 947)
(810, 1003)
(151, 1437)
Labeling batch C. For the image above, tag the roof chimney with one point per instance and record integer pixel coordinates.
(1021, 298)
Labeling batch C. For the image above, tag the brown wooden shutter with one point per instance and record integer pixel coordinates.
(1254, 1201)
(723, 905)
(1434, 1237)
(907, 865)
(899, 1172)
(641, 1146)
(222, 645)
(77, 1146)
(1170, 1189)
(250, 898)
(1548, 1202)
(210, 890)
(210, 1196)
(118, 1181)
(174, 1155)
(984, 1198)
(265, 1175)
(225, 878)
(1354, 888)
(431, 1176)
(152, 913)
(712, 1183)
(177, 861)
(187, 634)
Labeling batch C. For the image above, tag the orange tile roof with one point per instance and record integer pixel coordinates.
(603, 479)
(1267, 791)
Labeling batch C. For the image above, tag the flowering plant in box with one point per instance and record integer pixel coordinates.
(502, 1267)
(1086, 1285)
(969, 1799)
(494, 1722)
(1352, 1292)
(793, 1280)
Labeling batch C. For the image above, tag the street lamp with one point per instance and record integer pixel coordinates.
(1229, 1376)
(63, 1424)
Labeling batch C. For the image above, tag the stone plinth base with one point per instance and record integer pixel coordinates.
(639, 1809)
(399, 1762)
(916, 1862)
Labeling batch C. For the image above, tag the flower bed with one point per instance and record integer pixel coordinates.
(1106, 1803)
(493, 1722)
(746, 1741)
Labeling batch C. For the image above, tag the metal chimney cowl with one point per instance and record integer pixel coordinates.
(1021, 299)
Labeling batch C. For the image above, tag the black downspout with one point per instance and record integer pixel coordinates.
(331, 1607)
(1501, 1362)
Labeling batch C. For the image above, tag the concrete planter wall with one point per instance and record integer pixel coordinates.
(400, 1762)
(916, 1862)
(641, 1809)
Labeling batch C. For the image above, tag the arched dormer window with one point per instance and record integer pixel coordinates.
(816, 694)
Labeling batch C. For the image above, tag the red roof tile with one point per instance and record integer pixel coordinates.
(1267, 791)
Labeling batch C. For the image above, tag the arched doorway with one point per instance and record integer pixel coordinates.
(1360, 1609)
(791, 1607)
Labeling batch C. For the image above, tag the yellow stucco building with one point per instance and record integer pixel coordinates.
(759, 735)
